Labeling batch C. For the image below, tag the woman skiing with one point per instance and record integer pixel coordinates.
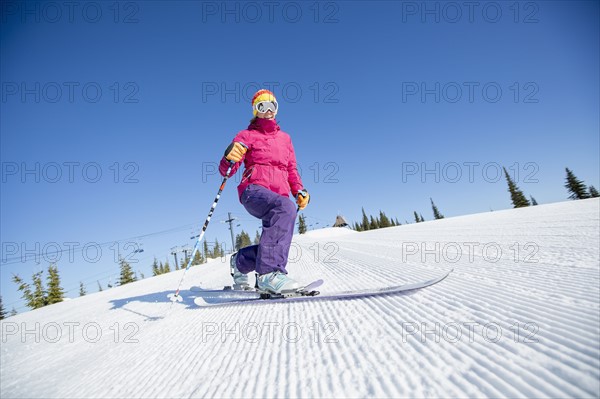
(269, 176)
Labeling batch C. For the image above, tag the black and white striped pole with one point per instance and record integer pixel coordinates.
(176, 297)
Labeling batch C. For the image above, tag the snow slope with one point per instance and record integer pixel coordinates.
(518, 317)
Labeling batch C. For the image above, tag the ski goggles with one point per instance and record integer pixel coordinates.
(265, 106)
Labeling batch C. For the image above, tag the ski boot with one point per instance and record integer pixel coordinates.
(277, 283)
(240, 280)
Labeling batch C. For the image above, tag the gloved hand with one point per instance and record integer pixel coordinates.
(235, 151)
(302, 199)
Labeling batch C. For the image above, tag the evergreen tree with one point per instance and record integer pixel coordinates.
(246, 241)
(216, 253)
(142, 276)
(242, 240)
(81, 289)
(436, 212)
(417, 218)
(37, 298)
(13, 312)
(302, 225)
(422, 218)
(55, 292)
(39, 292)
(155, 268)
(186, 259)
(206, 251)
(167, 268)
(357, 227)
(198, 260)
(373, 224)
(238, 241)
(161, 268)
(575, 186)
(25, 288)
(384, 221)
(533, 201)
(256, 238)
(127, 275)
(517, 197)
(99, 286)
(2, 312)
(593, 192)
(365, 221)
(398, 223)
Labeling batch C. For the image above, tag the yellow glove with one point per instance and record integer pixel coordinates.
(302, 199)
(235, 152)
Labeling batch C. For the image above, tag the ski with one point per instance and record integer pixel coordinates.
(227, 294)
(256, 297)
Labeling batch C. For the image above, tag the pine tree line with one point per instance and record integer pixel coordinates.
(218, 250)
(418, 217)
(38, 296)
(243, 240)
(373, 223)
(436, 213)
(577, 188)
(2, 311)
(159, 268)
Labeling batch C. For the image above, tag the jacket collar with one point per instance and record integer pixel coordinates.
(264, 126)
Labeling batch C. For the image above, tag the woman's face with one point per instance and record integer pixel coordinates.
(266, 115)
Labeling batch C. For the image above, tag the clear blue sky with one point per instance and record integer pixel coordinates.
(357, 84)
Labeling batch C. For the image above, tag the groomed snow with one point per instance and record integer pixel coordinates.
(518, 317)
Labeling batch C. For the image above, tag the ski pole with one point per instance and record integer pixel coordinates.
(175, 297)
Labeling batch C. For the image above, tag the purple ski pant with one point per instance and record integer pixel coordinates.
(278, 215)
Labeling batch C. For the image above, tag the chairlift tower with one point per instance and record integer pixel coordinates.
(230, 221)
(185, 249)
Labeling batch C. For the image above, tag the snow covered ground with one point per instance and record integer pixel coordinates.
(518, 317)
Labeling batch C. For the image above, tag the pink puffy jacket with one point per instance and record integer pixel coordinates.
(270, 160)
